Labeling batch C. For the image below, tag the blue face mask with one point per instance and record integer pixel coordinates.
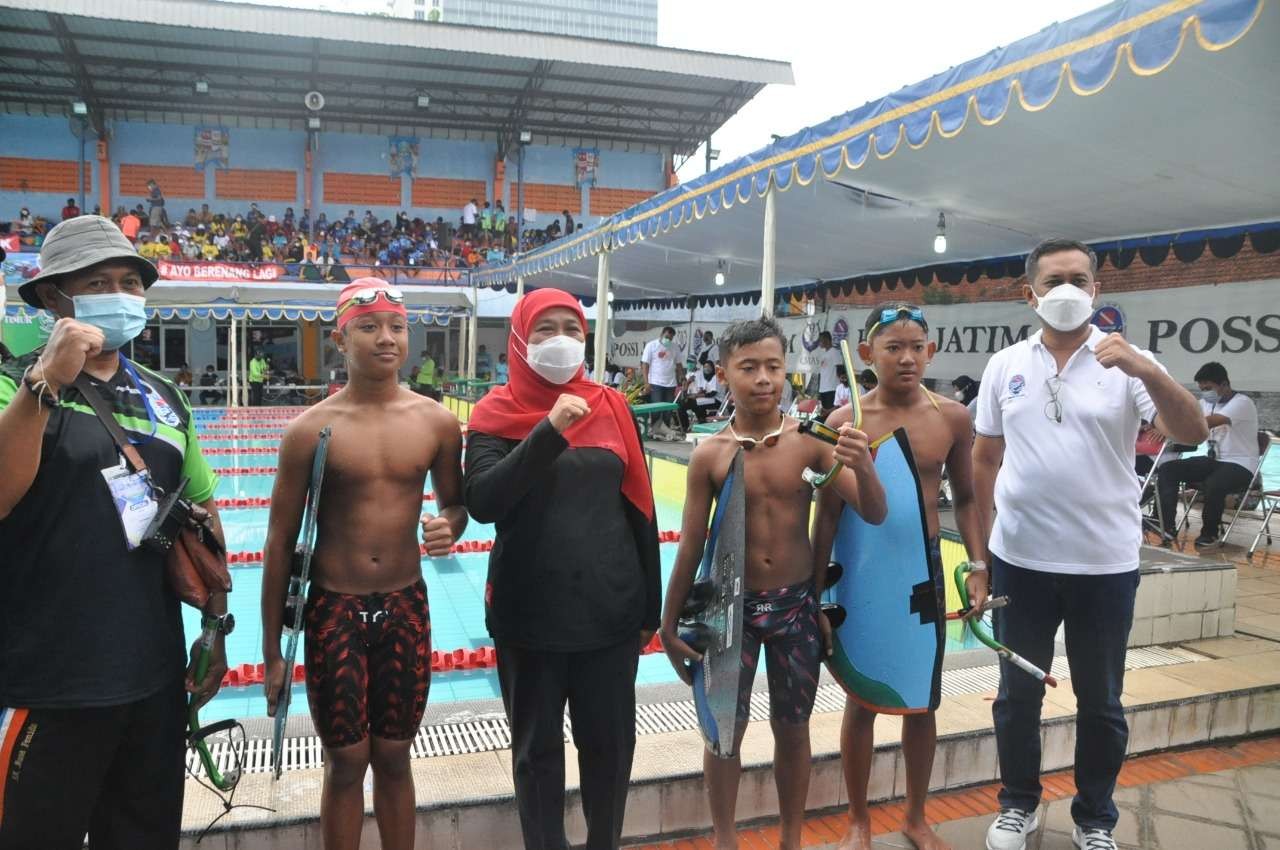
(120, 317)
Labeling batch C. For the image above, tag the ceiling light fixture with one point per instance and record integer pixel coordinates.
(79, 107)
(424, 101)
(202, 86)
(720, 273)
(940, 241)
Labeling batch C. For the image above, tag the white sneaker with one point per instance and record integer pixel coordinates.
(1093, 839)
(1010, 829)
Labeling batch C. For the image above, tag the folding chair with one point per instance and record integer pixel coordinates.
(1266, 496)
(1152, 519)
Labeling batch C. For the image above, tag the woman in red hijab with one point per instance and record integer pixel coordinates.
(554, 460)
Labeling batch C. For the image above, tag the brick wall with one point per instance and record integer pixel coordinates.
(377, 189)
(175, 181)
(550, 199)
(251, 184)
(609, 201)
(23, 174)
(442, 193)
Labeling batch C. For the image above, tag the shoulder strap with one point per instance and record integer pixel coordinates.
(95, 400)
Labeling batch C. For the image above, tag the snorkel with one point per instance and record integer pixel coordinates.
(984, 637)
(814, 428)
(195, 734)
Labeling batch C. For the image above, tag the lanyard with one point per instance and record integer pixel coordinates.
(146, 401)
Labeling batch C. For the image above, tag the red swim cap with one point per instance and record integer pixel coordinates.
(368, 295)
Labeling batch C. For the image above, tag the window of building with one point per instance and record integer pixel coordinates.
(419, 15)
(160, 347)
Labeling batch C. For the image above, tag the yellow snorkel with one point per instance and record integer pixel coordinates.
(830, 435)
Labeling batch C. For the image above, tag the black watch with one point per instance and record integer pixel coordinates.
(225, 624)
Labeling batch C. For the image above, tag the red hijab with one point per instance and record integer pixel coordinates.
(512, 410)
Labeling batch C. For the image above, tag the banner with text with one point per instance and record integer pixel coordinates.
(221, 272)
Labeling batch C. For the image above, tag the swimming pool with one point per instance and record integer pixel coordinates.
(455, 584)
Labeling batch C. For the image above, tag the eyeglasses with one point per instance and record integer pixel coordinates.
(889, 315)
(1053, 407)
(768, 440)
(365, 297)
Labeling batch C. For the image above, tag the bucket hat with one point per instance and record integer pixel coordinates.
(79, 243)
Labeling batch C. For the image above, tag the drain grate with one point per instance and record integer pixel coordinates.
(492, 733)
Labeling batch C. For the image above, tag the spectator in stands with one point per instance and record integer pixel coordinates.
(304, 223)
(70, 210)
(192, 218)
(206, 217)
(499, 220)
(486, 218)
(258, 371)
(702, 395)
(255, 214)
(568, 226)
(130, 224)
(469, 213)
(26, 224)
(184, 379)
(867, 381)
(660, 364)
(828, 359)
(156, 216)
(255, 236)
(1228, 466)
(209, 379)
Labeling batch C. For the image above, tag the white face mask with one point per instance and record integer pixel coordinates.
(557, 359)
(958, 395)
(1066, 307)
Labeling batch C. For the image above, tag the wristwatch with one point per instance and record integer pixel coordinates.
(225, 624)
(977, 566)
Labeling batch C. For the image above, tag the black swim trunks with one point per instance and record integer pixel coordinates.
(368, 663)
(785, 620)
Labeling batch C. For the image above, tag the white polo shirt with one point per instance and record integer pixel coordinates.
(827, 363)
(1237, 442)
(1067, 495)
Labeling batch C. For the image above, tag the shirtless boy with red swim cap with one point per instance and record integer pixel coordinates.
(368, 628)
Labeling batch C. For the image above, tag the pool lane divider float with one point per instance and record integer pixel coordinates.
(462, 547)
(265, 501)
(442, 661)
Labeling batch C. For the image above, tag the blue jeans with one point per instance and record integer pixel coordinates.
(1097, 612)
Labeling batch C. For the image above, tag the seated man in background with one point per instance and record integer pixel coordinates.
(1226, 468)
(209, 379)
(701, 395)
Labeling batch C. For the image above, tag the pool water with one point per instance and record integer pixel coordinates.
(455, 584)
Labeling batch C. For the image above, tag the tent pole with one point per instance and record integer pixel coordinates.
(231, 363)
(244, 361)
(473, 332)
(520, 286)
(767, 268)
(602, 314)
(462, 345)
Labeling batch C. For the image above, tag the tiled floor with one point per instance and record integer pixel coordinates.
(1209, 798)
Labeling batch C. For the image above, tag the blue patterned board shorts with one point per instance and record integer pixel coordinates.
(785, 620)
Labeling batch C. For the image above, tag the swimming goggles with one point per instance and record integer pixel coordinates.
(889, 315)
(365, 297)
(768, 440)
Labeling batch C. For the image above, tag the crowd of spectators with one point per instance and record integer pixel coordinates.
(482, 235)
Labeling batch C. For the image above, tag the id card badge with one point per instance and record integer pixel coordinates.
(131, 492)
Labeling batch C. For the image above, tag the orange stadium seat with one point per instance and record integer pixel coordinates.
(344, 188)
(23, 174)
(256, 184)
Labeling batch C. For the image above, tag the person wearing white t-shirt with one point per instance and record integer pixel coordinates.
(828, 359)
(844, 394)
(701, 395)
(1058, 417)
(661, 365)
(469, 213)
(1232, 419)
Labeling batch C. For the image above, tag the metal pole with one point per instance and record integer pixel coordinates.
(708, 154)
(231, 362)
(767, 269)
(520, 286)
(473, 333)
(84, 128)
(462, 346)
(520, 199)
(602, 314)
(244, 360)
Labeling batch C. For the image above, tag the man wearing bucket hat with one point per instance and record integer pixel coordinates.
(92, 686)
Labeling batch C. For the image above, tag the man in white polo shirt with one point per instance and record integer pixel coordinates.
(1058, 417)
(660, 363)
(829, 358)
(1233, 456)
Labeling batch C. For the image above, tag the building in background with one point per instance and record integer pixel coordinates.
(615, 20)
